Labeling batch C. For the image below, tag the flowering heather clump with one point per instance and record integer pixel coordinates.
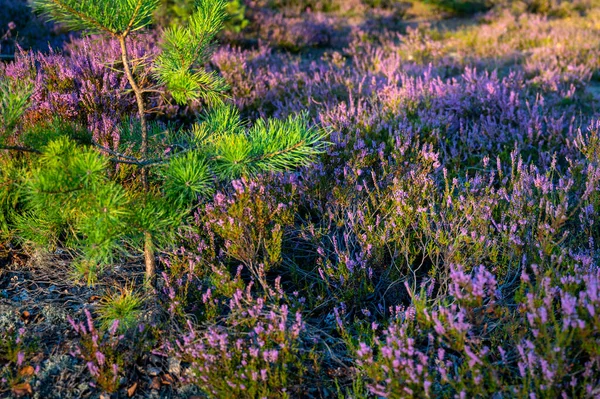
(102, 352)
(251, 224)
(449, 350)
(293, 34)
(77, 86)
(253, 354)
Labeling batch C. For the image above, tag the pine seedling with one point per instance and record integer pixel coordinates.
(123, 305)
(69, 196)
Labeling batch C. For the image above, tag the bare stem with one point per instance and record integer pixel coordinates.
(149, 258)
(140, 104)
(18, 148)
(149, 255)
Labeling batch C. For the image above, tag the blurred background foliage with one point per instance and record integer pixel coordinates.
(19, 27)
(174, 12)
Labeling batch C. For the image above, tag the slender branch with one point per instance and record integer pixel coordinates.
(125, 159)
(140, 104)
(117, 160)
(138, 6)
(135, 61)
(18, 148)
(142, 163)
(153, 91)
(113, 153)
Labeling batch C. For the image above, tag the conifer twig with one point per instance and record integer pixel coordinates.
(19, 148)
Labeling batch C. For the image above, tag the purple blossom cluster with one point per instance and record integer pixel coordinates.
(252, 353)
(554, 355)
(445, 158)
(75, 85)
(101, 351)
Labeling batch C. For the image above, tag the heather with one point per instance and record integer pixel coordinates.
(344, 200)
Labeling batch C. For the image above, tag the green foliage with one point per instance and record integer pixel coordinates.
(156, 214)
(72, 196)
(11, 177)
(41, 134)
(14, 98)
(236, 11)
(185, 48)
(187, 177)
(173, 12)
(123, 306)
(115, 17)
(224, 148)
(278, 145)
(176, 12)
(268, 146)
(215, 123)
(68, 199)
(67, 195)
(86, 270)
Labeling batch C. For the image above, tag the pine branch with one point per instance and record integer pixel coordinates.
(133, 17)
(18, 148)
(114, 153)
(129, 160)
(288, 150)
(117, 18)
(269, 146)
(184, 48)
(45, 7)
(153, 91)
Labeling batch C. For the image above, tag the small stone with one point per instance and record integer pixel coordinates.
(153, 371)
(174, 366)
(83, 387)
(155, 359)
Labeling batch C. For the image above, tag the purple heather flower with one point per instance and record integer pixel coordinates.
(100, 358)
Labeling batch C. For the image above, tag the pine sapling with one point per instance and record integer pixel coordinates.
(216, 149)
